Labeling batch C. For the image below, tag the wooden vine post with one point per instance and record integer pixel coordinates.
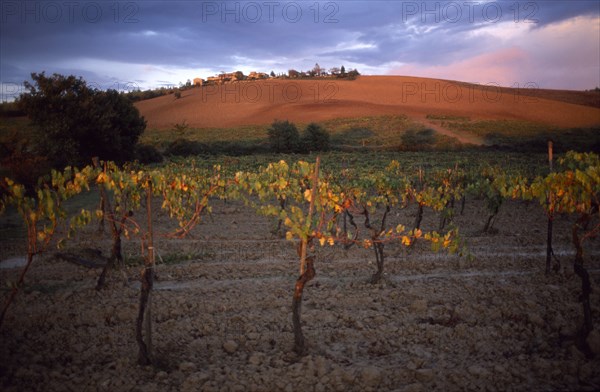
(307, 270)
(144, 320)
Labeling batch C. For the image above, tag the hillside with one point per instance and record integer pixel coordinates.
(303, 101)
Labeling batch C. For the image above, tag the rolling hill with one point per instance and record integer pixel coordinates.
(303, 101)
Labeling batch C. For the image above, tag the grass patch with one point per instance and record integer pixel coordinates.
(374, 131)
(447, 117)
(244, 134)
(526, 136)
(381, 132)
(498, 129)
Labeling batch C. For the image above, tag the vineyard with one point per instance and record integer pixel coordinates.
(298, 275)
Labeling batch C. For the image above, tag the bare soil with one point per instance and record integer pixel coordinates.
(304, 101)
(222, 315)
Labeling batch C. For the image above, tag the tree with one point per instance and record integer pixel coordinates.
(74, 123)
(284, 137)
(315, 138)
(292, 73)
(353, 74)
(239, 75)
(317, 69)
(272, 74)
(343, 71)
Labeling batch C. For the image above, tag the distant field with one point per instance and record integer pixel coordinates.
(372, 111)
(304, 101)
(367, 131)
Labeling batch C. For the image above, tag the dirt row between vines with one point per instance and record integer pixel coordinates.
(222, 319)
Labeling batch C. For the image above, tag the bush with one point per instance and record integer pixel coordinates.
(284, 137)
(21, 163)
(74, 123)
(147, 154)
(422, 139)
(10, 109)
(315, 138)
(138, 95)
(184, 147)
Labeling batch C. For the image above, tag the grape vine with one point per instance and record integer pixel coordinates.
(314, 204)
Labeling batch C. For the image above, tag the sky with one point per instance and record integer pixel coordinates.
(150, 44)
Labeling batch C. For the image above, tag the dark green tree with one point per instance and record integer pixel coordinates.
(284, 137)
(272, 74)
(343, 71)
(353, 74)
(74, 123)
(315, 138)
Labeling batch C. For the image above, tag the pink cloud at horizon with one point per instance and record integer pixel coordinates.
(496, 67)
(564, 55)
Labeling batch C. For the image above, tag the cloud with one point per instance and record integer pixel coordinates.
(553, 42)
(497, 67)
(560, 55)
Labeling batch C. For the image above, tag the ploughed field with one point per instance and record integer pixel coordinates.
(303, 101)
(221, 311)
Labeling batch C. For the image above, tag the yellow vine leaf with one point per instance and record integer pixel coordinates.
(101, 178)
(307, 194)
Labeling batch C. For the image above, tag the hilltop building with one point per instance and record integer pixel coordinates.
(227, 77)
(257, 75)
